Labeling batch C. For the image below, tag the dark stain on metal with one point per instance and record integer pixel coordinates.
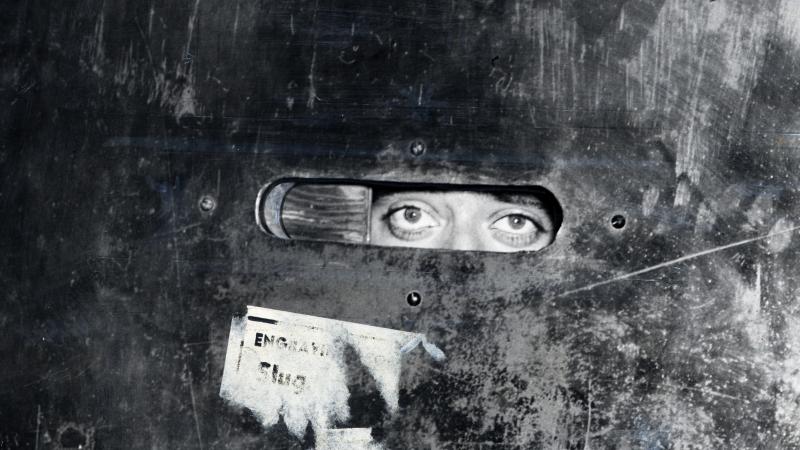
(72, 438)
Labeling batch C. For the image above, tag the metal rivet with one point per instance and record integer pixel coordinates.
(417, 147)
(618, 221)
(207, 203)
(414, 298)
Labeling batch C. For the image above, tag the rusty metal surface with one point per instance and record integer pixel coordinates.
(136, 136)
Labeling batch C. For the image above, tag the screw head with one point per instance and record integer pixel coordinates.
(414, 298)
(207, 203)
(417, 147)
(618, 221)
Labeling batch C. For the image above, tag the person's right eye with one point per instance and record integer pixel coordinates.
(411, 223)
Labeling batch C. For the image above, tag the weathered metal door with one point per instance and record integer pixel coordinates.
(137, 136)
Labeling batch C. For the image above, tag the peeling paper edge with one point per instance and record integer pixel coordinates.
(345, 333)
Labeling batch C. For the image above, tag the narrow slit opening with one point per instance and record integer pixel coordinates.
(418, 215)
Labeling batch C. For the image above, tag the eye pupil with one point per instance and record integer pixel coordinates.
(516, 221)
(412, 214)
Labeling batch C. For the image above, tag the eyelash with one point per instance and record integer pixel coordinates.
(407, 235)
(516, 240)
(391, 211)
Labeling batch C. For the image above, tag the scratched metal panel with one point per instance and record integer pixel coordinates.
(119, 281)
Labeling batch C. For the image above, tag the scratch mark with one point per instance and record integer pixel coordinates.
(189, 344)
(194, 410)
(708, 392)
(175, 245)
(689, 158)
(192, 21)
(150, 20)
(703, 305)
(312, 89)
(425, 54)
(219, 177)
(99, 47)
(38, 423)
(146, 42)
(588, 419)
(65, 372)
(236, 23)
(674, 261)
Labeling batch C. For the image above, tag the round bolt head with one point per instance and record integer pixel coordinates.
(207, 203)
(417, 147)
(414, 298)
(618, 221)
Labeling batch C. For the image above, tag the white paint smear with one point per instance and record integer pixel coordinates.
(292, 365)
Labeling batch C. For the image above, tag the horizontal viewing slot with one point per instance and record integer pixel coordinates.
(421, 215)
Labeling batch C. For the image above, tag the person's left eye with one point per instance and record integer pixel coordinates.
(515, 224)
(516, 230)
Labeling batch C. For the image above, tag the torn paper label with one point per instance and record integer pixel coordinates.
(292, 365)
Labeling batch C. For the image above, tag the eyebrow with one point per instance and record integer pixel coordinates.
(519, 199)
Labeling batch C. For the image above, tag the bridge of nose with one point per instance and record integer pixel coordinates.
(466, 221)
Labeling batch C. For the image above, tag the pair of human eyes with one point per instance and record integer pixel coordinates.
(412, 222)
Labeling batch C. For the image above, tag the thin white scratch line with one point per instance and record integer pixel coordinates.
(192, 20)
(674, 261)
(588, 419)
(312, 89)
(194, 410)
(38, 423)
(236, 23)
(703, 305)
(707, 391)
